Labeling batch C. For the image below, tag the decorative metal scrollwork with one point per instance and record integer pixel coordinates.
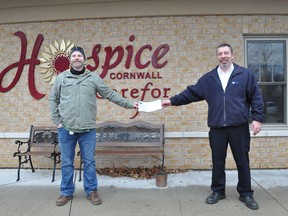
(127, 134)
(45, 136)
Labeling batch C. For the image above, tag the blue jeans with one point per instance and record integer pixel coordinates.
(87, 145)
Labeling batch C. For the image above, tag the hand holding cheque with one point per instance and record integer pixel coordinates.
(149, 106)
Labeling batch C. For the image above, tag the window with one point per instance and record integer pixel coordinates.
(267, 58)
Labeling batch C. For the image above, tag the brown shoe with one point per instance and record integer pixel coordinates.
(94, 198)
(62, 200)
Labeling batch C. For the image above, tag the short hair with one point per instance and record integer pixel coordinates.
(225, 45)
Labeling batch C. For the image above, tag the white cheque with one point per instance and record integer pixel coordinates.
(149, 106)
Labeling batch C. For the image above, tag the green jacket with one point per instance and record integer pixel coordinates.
(73, 100)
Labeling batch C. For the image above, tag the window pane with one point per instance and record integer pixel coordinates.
(267, 60)
(274, 103)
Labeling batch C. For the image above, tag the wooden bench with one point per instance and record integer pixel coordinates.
(135, 138)
(43, 141)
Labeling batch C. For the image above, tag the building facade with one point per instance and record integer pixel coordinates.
(145, 50)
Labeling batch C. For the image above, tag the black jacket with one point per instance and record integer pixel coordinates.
(240, 101)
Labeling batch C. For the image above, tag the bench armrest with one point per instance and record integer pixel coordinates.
(21, 149)
(55, 143)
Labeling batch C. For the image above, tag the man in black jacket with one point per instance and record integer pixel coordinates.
(233, 97)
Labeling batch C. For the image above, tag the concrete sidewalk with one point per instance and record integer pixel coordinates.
(185, 195)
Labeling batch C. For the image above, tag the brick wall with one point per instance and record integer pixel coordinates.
(192, 41)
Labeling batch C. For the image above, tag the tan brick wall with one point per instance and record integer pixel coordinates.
(192, 41)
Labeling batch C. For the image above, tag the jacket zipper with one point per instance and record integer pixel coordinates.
(229, 81)
(224, 98)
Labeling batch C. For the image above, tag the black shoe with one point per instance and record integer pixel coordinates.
(249, 202)
(214, 198)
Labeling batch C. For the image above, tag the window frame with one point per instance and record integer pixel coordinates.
(272, 38)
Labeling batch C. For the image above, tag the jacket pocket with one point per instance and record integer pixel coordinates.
(87, 88)
(66, 89)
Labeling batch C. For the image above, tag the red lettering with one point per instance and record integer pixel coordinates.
(109, 55)
(114, 57)
(32, 62)
(129, 49)
(125, 76)
(147, 76)
(96, 49)
(98, 96)
(112, 76)
(138, 63)
(134, 93)
(165, 92)
(156, 93)
(141, 75)
(123, 92)
(157, 55)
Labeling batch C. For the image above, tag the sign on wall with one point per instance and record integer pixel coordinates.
(55, 59)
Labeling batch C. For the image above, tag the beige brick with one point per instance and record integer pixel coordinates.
(192, 41)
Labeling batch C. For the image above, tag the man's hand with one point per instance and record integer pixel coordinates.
(256, 127)
(165, 103)
(136, 105)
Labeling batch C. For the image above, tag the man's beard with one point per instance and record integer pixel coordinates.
(225, 63)
(78, 66)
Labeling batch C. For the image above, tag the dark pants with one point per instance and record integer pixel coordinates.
(239, 141)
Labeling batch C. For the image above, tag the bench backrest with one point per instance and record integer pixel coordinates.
(139, 133)
(44, 137)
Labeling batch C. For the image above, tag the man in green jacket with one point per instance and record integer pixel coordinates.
(73, 109)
